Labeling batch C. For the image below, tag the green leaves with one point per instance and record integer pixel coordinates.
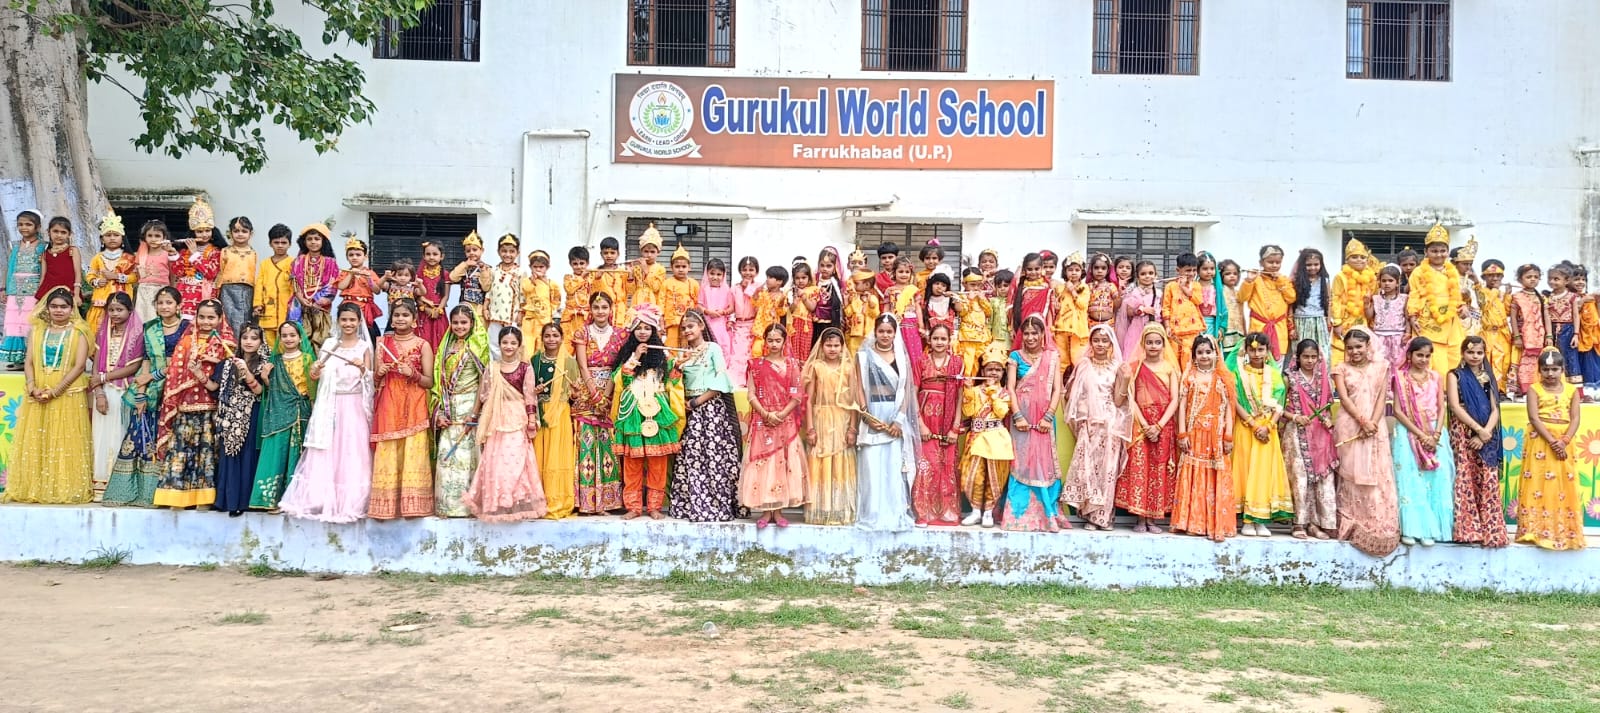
(210, 74)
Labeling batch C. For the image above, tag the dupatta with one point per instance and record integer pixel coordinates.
(504, 407)
(877, 376)
(282, 406)
(773, 390)
(1477, 399)
(185, 391)
(448, 362)
(132, 348)
(1310, 396)
(324, 418)
(1406, 401)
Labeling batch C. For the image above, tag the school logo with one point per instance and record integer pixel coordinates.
(662, 115)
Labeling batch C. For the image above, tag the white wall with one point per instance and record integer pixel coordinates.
(1268, 139)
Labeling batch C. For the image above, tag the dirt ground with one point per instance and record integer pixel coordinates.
(164, 639)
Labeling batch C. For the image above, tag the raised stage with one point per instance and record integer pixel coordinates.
(590, 547)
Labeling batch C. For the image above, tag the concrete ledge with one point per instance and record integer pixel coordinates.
(588, 547)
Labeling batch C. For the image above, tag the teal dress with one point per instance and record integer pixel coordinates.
(136, 472)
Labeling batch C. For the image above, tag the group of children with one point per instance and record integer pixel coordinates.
(906, 396)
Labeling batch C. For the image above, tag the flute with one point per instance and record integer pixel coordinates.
(667, 348)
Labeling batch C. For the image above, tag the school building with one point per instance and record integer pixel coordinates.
(768, 128)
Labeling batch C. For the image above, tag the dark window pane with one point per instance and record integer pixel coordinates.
(1401, 39)
(911, 238)
(447, 30)
(681, 33)
(704, 239)
(400, 235)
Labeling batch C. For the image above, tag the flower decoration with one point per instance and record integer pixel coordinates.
(1511, 441)
(1591, 509)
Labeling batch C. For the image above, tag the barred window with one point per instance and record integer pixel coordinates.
(1386, 244)
(914, 35)
(911, 238)
(681, 33)
(447, 31)
(1147, 36)
(177, 220)
(704, 239)
(1160, 245)
(400, 235)
(1404, 39)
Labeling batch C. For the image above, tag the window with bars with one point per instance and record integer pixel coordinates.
(914, 35)
(704, 239)
(911, 238)
(1147, 36)
(400, 235)
(1160, 245)
(1386, 244)
(681, 33)
(177, 220)
(447, 31)
(1403, 39)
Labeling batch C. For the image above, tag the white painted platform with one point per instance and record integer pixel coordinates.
(588, 547)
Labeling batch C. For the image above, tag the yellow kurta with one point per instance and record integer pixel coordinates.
(973, 333)
(1269, 297)
(1496, 332)
(540, 301)
(108, 269)
(237, 267)
(1180, 311)
(1071, 328)
(1549, 509)
(644, 284)
(274, 293)
(556, 442)
(860, 310)
(771, 307)
(831, 483)
(1435, 303)
(51, 459)
(1348, 306)
(676, 297)
(1260, 477)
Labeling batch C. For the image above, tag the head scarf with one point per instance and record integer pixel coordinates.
(132, 346)
(1220, 324)
(476, 347)
(282, 406)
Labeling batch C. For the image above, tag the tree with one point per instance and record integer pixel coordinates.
(205, 74)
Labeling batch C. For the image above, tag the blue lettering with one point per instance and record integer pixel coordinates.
(986, 117)
(852, 105)
(712, 101)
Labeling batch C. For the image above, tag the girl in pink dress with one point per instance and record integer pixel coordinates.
(507, 487)
(1388, 316)
(333, 481)
(716, 301)
(744, 317)
(1140, 306)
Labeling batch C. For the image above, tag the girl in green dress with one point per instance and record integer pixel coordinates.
(285, 411)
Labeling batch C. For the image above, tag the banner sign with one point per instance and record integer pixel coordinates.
(834, 123)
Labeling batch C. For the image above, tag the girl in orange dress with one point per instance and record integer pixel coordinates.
(402, 466)
(1146, 487)
(801, 307)
(1205, 502)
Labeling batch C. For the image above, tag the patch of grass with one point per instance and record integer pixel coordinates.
(533, 615)
(413, 578)
(30, 564)
(607, 679)
(389, 637)
(946, 624)
(1222, 697)
(469, 621)
(253, 618)
(207, 566)
(860, 666)
(958, 701)
(329, 638)
(406, 618)
(260, 568)
(786, 616)
(105, 558)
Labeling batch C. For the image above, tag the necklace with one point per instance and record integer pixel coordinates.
(53, 352)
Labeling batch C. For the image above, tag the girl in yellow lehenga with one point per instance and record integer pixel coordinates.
(1261, 481)
(53, 464)
(830, 383)
(555, 443)
(1549, 512)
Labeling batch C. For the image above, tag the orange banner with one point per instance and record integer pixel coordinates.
(834, 123)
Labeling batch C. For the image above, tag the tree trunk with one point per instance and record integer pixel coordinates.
(46, 161)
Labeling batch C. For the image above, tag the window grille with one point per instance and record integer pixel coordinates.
(911, 238)
(177, 220)
(704, 239)
(1147, 36)
(1383, 244)
(681, 33)
(1160, 245)
(914, 35)
(447, 31)
(400, 235)
(1403, 39)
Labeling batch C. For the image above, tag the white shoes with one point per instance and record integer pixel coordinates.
(972, 518)
(1254, 529)
(988, 519)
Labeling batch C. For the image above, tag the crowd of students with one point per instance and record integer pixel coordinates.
(901, 397)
